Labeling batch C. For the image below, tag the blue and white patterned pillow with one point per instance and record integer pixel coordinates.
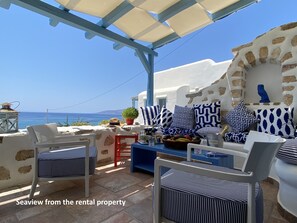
(183, 117)
(240, 118)
(276, 121)
(288, 151)
(149, 113)
(164, 118)
(208, 115)
(237, 137)
(178, 131)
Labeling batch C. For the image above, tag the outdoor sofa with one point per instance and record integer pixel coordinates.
(206, 119)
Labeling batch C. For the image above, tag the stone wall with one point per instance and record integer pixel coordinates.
(16, 160)
(277, 46)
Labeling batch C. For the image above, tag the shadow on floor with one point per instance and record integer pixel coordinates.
(116, 196)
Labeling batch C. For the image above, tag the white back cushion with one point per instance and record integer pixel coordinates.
(45, 132)
(255, 136)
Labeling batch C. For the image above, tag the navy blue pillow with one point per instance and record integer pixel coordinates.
(240, 118)
(183, 117)
(179, 131)
(164, 118)
(276, 121)
(208, 115)
(149, 113)
(237, 137)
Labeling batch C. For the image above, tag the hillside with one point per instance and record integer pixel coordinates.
(111, 112)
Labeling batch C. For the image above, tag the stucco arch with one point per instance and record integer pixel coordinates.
(277, 46)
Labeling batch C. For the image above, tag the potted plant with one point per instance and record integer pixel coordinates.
(130, 114)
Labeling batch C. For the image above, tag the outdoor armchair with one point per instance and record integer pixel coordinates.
(195, 192)
(61, 157)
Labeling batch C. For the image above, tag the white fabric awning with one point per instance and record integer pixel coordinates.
(155, 21)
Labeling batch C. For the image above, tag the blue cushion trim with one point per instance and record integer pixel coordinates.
(237, 137)
(179, 131)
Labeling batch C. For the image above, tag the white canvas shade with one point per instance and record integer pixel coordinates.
(142, 21)
(147, 24)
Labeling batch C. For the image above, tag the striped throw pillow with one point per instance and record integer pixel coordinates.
(288, 152)
(149, 113)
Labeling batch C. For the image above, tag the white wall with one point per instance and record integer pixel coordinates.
(270, 76)
(176, 82)
(197, 75)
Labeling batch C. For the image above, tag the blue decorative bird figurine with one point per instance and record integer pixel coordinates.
(263, 94)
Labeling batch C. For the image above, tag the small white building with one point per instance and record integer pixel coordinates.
(172, 85)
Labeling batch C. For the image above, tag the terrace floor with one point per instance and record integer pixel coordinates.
(108, 184)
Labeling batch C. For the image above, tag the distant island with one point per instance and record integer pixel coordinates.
(111, 112)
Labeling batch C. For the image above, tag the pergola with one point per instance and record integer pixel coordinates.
(146, 24)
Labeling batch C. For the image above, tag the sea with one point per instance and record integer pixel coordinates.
(39, 118)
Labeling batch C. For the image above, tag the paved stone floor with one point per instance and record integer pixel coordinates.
(108, 184)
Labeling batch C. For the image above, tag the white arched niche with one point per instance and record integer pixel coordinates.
(268, 74)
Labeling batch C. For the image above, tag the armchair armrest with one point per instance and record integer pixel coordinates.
(236, 177)
(81, 137)
(60, 144)
(192, 146)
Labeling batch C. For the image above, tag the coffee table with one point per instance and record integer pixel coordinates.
(143, 157)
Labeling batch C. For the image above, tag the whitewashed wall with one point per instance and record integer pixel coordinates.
(176, 82)
(273, 84)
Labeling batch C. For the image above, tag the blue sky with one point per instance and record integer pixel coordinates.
(47, 67)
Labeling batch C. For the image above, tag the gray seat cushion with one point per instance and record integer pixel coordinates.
(189, 198)
(66, 162)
